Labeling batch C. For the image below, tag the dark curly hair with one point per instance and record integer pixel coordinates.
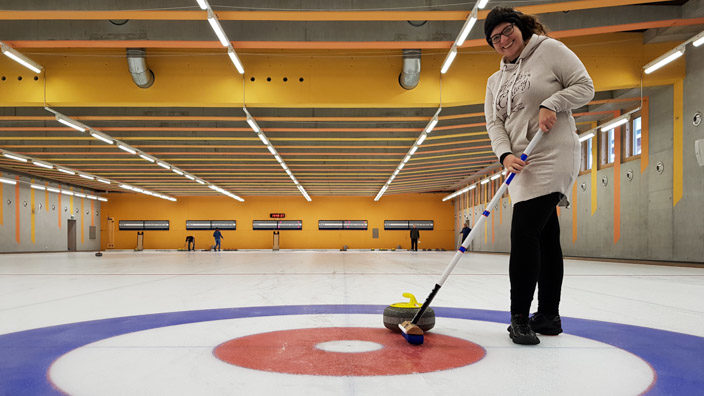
(527, 24)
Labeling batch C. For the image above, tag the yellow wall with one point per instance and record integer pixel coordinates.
(393, 207)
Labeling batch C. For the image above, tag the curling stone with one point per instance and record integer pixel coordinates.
(398, 313)
(99, 254)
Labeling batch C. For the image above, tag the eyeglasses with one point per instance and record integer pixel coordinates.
(506, 32)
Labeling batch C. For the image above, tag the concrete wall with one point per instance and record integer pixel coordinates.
(43, 219)
(654, 224)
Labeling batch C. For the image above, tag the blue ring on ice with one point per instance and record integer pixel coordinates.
(26, 356)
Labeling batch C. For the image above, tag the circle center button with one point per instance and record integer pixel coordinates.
(349, 346)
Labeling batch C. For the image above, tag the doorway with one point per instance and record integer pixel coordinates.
(71, 235)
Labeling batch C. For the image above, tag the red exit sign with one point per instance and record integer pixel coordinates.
(277, 215)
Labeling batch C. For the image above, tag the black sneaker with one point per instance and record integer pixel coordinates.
(520, 332)
(545, 324)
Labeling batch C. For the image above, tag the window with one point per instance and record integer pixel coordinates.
(636, 136)
(611, 145)
(586, 155)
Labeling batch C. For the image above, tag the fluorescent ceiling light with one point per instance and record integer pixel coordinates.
(147, 158)
(271, 150)
(614, 123)
(128, 149)
(217, 28)
(473, 186)
(235, 59)
(101, 199)
(42, 165)
(66, 171)
(176, 171)
(93, 197)
(264, 140)
(482, 3)
(413, 150)
(126, 187)
(401, 165)
(54, 190)
(253, 124)
(278, 158)
(699, 41)
(406, 158)
(203, 4)
(448, 60)
(86, 176)
(190, 177)
(586, 137)
(14, 157)
(200, 181)
(102, 180)
(70, 123)
(163, 165)
(7, 181)
(468, 25)
(37, 187)
(663, 60)
(496, 176)
(485, 181)
(79, 195)
(65, 192)
(431, 125)
(421, 139)
(101, 137)
(21, 59)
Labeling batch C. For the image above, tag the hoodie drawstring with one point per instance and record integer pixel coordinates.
(510, 90)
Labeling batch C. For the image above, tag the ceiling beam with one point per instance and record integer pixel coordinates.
(179, 15)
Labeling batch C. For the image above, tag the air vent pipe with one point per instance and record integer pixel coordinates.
(137, 64)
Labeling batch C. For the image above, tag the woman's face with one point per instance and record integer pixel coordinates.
(507, 40)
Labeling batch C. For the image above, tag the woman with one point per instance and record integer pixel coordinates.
(539, 82)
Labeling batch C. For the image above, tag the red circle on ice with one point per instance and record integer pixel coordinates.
(299, 352)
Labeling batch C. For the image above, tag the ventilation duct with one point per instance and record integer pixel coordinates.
(137, 64)
(410, 74)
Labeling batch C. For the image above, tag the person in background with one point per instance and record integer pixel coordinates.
(218, 236)
(465, 232)
(415, 235)
(539, 83)
(191, 242)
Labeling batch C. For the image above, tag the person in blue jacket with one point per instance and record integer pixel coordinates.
(218, 236)
(465, 232)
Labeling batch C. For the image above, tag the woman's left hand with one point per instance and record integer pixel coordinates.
(546, 119)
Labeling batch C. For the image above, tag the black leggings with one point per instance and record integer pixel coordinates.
(536, 255)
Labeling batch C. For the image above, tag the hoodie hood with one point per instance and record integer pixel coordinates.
(532, 44)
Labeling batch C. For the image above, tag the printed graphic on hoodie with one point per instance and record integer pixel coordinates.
(517, 88)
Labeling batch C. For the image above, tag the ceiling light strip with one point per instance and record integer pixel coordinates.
(122, 146)
(462, 35)
(73, 172)
(669, 56)
(421, 138)
(19, 58)
(257, 130)
(222, 36)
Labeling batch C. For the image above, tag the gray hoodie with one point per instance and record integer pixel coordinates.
(546, 74)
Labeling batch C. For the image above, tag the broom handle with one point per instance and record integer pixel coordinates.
(477, 225)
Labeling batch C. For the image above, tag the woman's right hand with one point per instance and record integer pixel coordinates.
(514, 164)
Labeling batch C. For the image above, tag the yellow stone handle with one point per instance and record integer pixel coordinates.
(413, 303)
